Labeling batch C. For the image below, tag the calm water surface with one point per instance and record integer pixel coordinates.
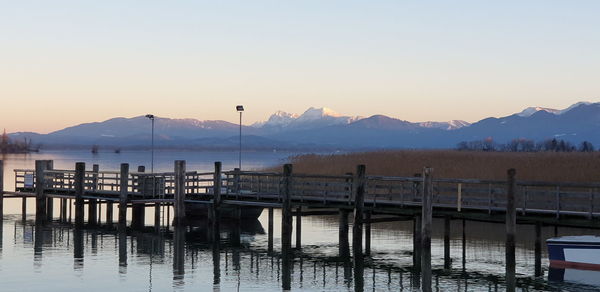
(56, 257)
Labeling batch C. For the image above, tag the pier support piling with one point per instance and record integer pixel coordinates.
(216, 205)
(417, 242)
(138, 210)
(286, 226)
(368, 233)
(270, 231)
(298, 228)
(447, 258)
(1, 190)
(538, 249)
(93, 203)
(123, 190)
(427, 217)
(511, 228)
(49, 200)
(79, 189)
(179, 206)
(40, 195)
(357, 228)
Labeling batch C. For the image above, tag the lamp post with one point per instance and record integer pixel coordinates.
(151, 117)
(240, 109)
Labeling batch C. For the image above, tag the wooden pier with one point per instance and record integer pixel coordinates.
(372, 199)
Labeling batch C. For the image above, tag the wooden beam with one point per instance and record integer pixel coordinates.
(426, 224)
(179, 207)
(123, 186)
(79, 188)
(511, 228)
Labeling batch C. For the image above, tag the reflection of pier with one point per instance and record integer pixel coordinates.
(185, 248)
(371, 199)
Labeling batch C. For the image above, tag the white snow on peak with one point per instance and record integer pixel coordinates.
(318, 113)
(532, 110)
(450, 125)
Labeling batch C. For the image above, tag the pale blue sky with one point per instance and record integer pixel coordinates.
(82, 61)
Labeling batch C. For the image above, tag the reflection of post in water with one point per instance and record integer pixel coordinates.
(38, 242)
(178, 253)
(357, 230)
(122, 234)
(511, 226)
(344, 245)
(538, 249)
(270, 231)
(77, 248)
(216, 253)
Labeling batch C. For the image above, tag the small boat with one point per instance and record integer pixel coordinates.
(576, 252)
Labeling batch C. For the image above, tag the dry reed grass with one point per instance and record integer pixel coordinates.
(539, 166)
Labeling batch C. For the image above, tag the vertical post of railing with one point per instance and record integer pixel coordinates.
(40, 196)
(138, 210)
(286, 225)
(357, 228)
(236, 182)
(93, 203)
(511, 228)
(123, 192)
(49, 200)
(179, 205)
(557, 202)
(216, 214)
(79, 189)
(427, 217)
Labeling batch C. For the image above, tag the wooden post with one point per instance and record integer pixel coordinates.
(427, 215)
(298, 228)
(40, 196)
(216, 214)
(511, 228)
(417, 242)
(344, 245)
(93, 203)
(447, 259)
(357, 228)
(464, 244)
(63, 210)
(24, 208)
(49, 201)
(109, 212)
(179, 206)
(1, 190)
(270, 240)
(123, 190)
(538, 249)
(138, 210)
(79, 189)
(286, 226)
(368, 233)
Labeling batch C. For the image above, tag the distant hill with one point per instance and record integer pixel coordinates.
(324, 128)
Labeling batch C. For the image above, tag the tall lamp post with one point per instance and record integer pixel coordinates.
(151, 117)
(240, 109)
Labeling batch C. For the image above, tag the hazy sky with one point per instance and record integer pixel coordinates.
(67, 62)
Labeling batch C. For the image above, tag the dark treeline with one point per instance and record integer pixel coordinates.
(525, 145)
(9, 146)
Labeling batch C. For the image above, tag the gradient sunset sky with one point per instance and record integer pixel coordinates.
(68, 62)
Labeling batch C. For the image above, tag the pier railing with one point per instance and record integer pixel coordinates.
(321, 190)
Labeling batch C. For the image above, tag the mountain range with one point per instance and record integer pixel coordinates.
(322, 128)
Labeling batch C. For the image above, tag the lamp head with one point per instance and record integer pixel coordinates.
(239, 108)
(150, 116)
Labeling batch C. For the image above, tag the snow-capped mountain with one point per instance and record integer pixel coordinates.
(532, 110)
(450, 125)
(311, 118)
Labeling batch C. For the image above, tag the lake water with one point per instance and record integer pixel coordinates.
(57, 257)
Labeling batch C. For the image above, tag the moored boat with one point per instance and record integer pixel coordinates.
(578, 252)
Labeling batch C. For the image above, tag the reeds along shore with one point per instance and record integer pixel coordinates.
(538, 166)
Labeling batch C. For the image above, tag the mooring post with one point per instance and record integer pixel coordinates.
(123, 190)
(179, 206)
(511, 228)
(368, 233)
(93, 203)
(23, 208)
(216, 214)
(427, 217)
(270, 240)
(286, 226)
(109, 212)
(464, 244)
(79, 188)
(357, 228)
(1, 190)
(298, 228)
(538, 249)
(447, 259)
(49, 200)
(138, 210)
(40, 196)
(417, 242)
(63, 210)
(343, 230)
